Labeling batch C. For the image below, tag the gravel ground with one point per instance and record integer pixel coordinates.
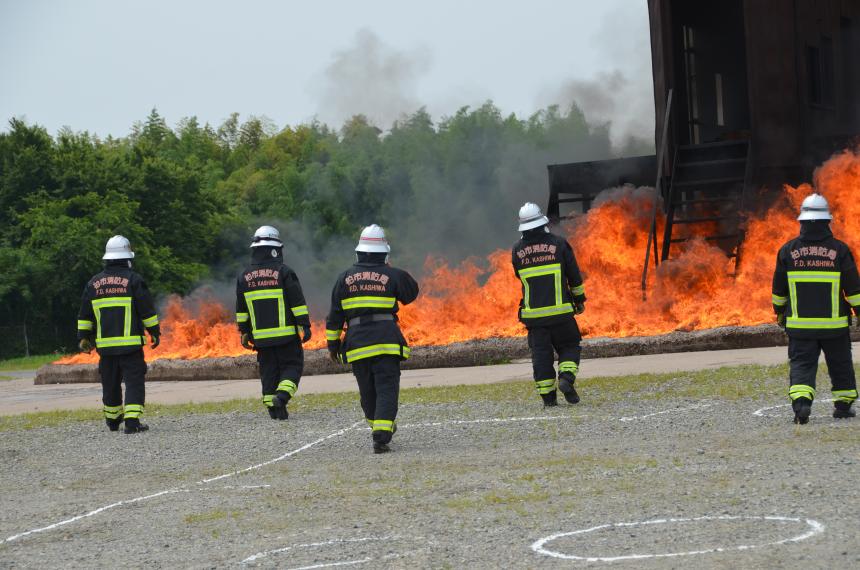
(451, 495)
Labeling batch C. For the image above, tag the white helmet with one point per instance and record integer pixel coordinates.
(814, 207)
(531, 217)
(267, 235)
(373, 240)
(118, 247)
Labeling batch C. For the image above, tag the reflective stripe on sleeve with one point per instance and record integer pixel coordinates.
(578, 290)
(85, 325)
(151, 321)
(779, 300)
(853, 300)
(332, 335)
(242, 317)
(300, 310)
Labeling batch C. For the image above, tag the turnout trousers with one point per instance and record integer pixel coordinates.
(114, 369)
(562, 338)
(803, 361)
(378, 380)
(281, 369)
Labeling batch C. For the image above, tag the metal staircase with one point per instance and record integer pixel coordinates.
(706, 195)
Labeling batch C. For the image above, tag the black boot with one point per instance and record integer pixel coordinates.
(381, 439)
(802, 408)
(273, 412)
(565, 385)
(842, 410)
(133, 425)
(279, 405)
(113, 424)
(549, 400)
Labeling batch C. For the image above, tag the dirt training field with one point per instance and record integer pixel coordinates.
(706, 467)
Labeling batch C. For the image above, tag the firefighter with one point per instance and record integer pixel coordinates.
(553, 294)
(365, 299)
(270, 310)
(815, 288)
(115, 310)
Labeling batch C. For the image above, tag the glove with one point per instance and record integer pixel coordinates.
(155, 340)
(334, 351)
(306, 334)
(578, 307)
(86, 345)
(247, 341)
(780, 320)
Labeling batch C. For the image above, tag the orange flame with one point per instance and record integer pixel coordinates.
(693, 290)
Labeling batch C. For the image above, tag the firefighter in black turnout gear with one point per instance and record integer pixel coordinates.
(365, 299)
(552, 294)
(815, 289)
(116, 308)
(270, 310)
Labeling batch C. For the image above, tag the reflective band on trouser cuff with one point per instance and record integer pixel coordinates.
(545, 386)
(85, 325)
(242, 317)
(383, 425)
(578, 290)
(119, 341)
(568, 366)
(287, 386)
(546, 311)
(853, 300)
(271, 333)
(113, 412)
(368, 302)
(267, 400)
(377, 350)
(133, 411)
(300, 310)
(820, 323)
(801, 391)
(151, 321)
(778, 300)
(846, 396)
(332, 335)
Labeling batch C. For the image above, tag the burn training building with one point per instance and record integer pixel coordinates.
(748, 94)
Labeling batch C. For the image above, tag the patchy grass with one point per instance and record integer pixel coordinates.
(729, 383)
(6, 377)
(211, 516)
(29, 362)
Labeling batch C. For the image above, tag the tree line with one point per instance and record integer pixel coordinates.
(188, 197)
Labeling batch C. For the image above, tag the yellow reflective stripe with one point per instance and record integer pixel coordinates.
(151, 321)
(106, 342)
(112, 412)
(816, 323)
(568, 366)
(527, 313)
(332, 335)
(383, 425)
(287, 386)
(133, 411)
(831, 277)
(242, 317)
(267, 400)
(120, 302)
(369, 422)
(853, 300)
(815, 275)
(539, 270)
(269, 333)
(407, 352)
(300, 310)
(545, 386)
(801, 391)
(85, 325)
(548, 382)
(844, 395)
(368, 302)
(376, 350)
(578, 290)
(779, 300)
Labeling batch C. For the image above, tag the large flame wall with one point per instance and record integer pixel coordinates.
(696, 289)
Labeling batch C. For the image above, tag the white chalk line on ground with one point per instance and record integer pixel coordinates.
(314, 443)
(761, 411)
(266, 553)
(673, 410)
(337, 541)
(538, 546)
(125, 502)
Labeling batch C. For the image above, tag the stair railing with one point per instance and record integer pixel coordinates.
(652, 232)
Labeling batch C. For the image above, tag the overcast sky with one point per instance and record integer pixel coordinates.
(100, 65)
